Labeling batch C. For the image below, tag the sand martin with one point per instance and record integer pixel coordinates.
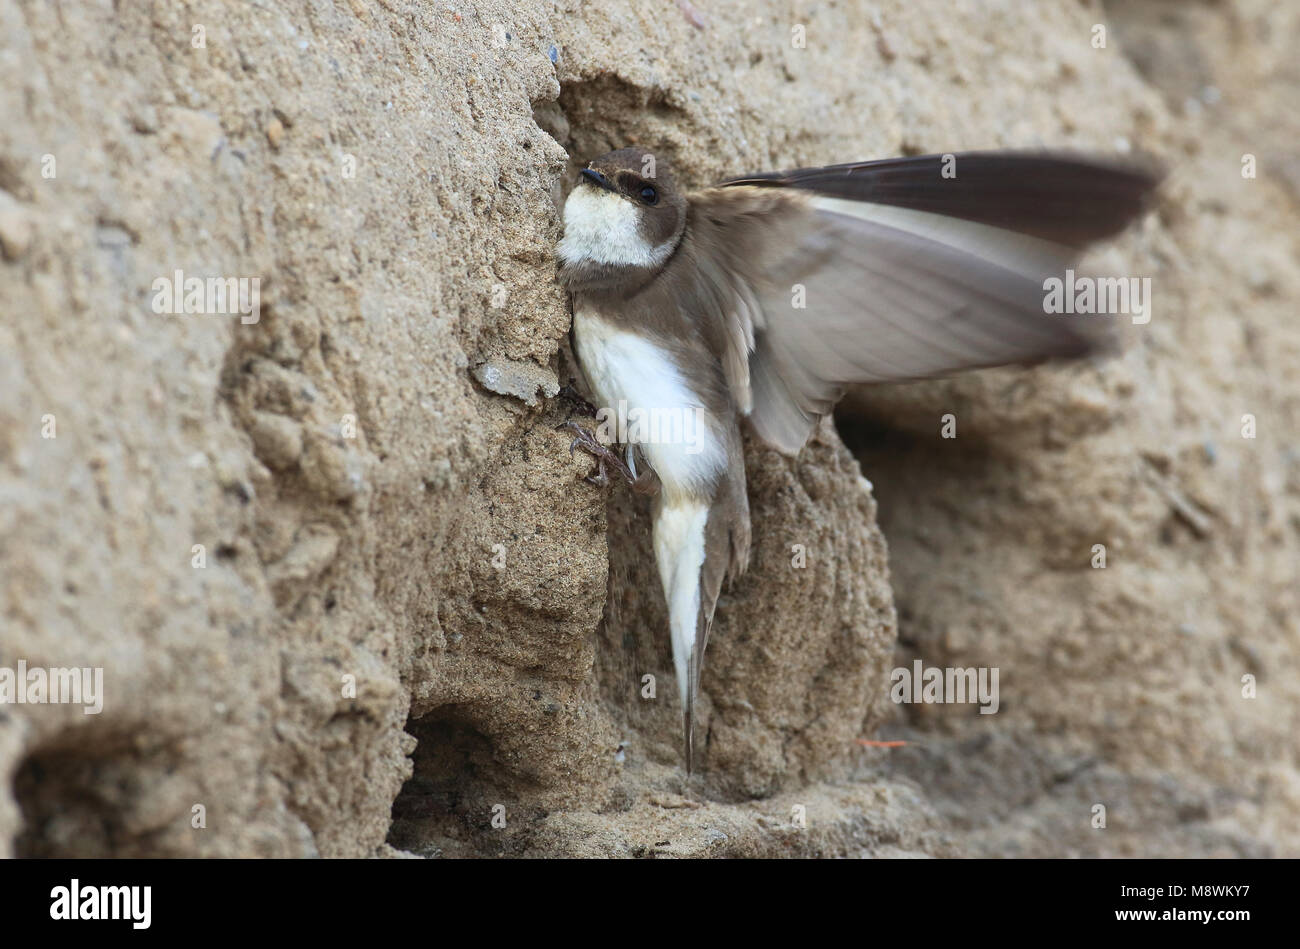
(764, 296)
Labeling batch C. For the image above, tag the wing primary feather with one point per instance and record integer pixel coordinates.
(1072, 199)
(904, 274)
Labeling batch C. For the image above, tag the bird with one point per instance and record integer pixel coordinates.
(758, 300)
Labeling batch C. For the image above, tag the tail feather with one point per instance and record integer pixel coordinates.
(696, 545)
(679, 539)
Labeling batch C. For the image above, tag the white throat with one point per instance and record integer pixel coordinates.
(600, 227)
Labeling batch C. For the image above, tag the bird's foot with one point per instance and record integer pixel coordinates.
(606, 457)
(646, 483)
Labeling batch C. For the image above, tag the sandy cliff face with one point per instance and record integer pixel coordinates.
(408, 613)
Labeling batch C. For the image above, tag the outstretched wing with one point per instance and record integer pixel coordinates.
(901, 269)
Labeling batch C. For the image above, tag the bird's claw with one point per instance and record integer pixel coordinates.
(605, 456)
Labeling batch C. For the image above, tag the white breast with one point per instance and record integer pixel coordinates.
(628, 367)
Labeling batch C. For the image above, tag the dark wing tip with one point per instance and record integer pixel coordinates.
(688, 713)
(690, 745)
(1070, 198)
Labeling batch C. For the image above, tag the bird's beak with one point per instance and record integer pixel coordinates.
(600, 180)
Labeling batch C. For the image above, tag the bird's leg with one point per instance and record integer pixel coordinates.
(647, 482)
(604, 455)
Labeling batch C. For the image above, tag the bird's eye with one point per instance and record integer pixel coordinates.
(649, 195)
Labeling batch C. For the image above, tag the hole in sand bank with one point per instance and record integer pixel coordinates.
(446, 807)
(915, 472)
(75, 802)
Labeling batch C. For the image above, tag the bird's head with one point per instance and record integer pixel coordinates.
(625, 214)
